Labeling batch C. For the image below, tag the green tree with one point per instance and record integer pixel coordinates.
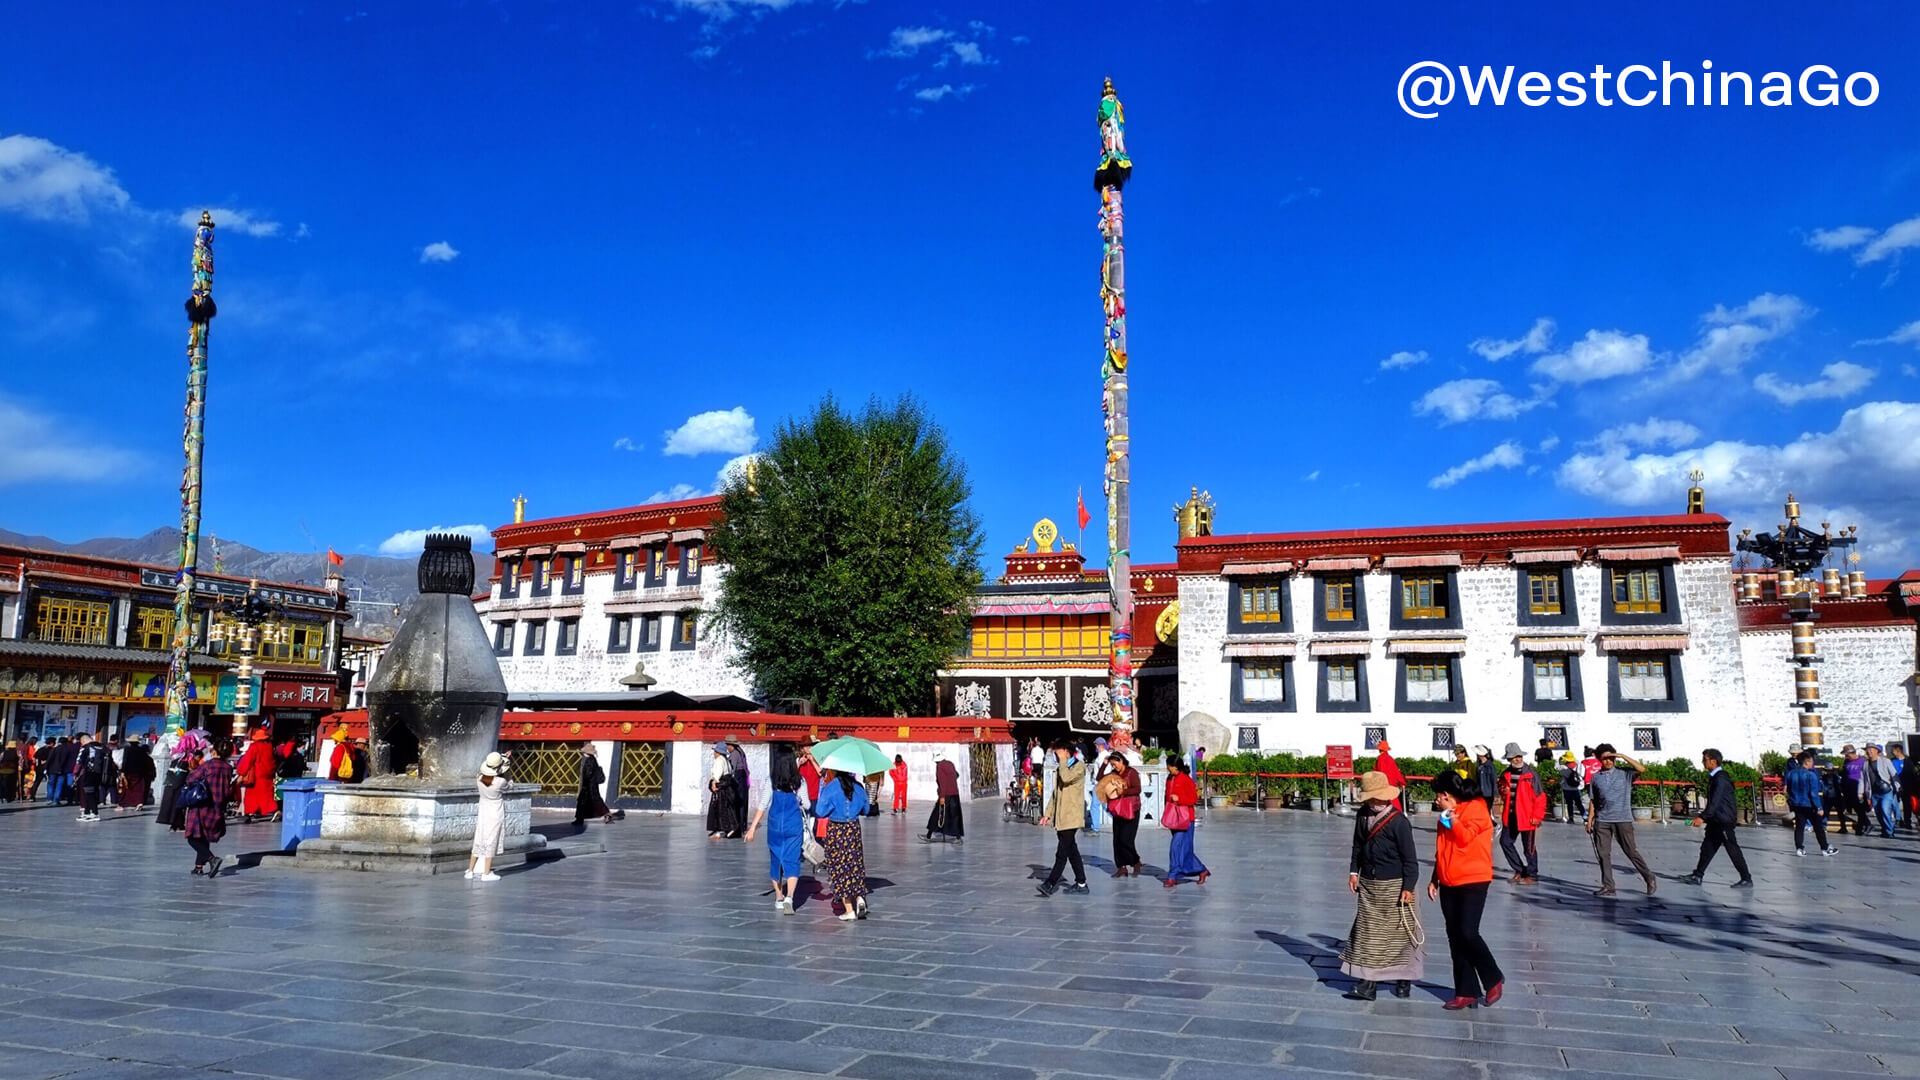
(852, 560)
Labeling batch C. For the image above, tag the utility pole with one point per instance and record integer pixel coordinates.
(200, 312)
(1111, 175)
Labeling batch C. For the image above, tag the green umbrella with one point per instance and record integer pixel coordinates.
(851, 755)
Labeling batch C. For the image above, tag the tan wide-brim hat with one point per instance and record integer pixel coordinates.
(1375, 785)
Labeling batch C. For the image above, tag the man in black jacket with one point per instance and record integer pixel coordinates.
(1719, 818)
(90, 763)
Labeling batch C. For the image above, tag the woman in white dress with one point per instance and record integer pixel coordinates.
(490, 826)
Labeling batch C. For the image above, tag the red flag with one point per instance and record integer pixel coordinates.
(1084, 516)
(337, 560)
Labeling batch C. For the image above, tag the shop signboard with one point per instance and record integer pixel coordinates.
(227, 698)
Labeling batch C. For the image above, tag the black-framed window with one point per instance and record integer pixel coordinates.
(1638, 594)
(649, 634)
(542, 576)
(1645, 682)
(1374, 735)
(509, 579)
(1546, 596)
(1342, 685)
(1443, 738)
(620, 633)
(1646, 740)
(574, 575)
(536, 638)
(626, 568)
(656, 568)
(1550, 682)
(1556, 736)
(566, 637)
(1428, 684)
(503, 639)
(686, 630)
(1258, 606)
(1424, 599)
(1339, 602)
(1248, 737)
(690, 563)
(1263, 684)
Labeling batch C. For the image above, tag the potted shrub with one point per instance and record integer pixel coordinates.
(1647, 796)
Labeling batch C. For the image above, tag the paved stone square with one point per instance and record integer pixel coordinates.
(664, 958)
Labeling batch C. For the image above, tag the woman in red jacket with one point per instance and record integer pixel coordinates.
(256, 772)
(899, 774)
(1462, 872)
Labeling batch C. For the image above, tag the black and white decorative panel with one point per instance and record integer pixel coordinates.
(1375, 736)
(1040, 697)
(1646, 740)
(1443, 738)
(1249, 738)
(981, 697)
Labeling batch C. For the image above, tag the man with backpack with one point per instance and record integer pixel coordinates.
(1573, 787)
(89, 775)
(1879, 787)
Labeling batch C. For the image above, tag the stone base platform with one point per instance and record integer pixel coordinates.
(414, 827)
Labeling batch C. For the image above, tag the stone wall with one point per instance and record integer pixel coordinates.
(1866, 679)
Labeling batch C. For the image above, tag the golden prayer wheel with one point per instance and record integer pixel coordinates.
(1810, 733)
(1806, 684)
(1857, 584)
(1803, 640)
(1750, 586)
(1831, 579)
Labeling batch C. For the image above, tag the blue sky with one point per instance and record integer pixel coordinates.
(470, 250)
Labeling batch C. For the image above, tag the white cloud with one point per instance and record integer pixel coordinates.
(412, 541)
(1602, 354)
(227, 221)
(1471, 399)
(1507, 455)
(624, 443)
(944, 90)
(727, 431)
(1537, 339)
(722, 10)
(40, 448)
(1734, 335)
(1837, 380)
(51, 183)
(1839, 239)
(1906, 335)
(439, 252)
(1403, 359)
(676, 493)
(1870, 459)
(507, 337)
(302, 232)
(1653, 432)
(1547, 444)
(1312, 476)
(907, 41)
(1873, 246)
(969, 52)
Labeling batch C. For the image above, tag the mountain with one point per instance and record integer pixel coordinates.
(378, 584)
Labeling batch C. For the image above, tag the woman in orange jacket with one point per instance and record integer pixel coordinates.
(899, 774)
(1462, 872)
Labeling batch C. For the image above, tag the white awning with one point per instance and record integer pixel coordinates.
(625, 543)
(1427, 647)
(1285, 566)
(1549, 644)
(1270, 647)
(572, 549)
(1618, 643)
(1649, 553)
(1338, 563)
(1544, 555)
(534, 552)
(507, 553)
(1359, 647)
(689, 534)
(650, 539)
(1449, 559)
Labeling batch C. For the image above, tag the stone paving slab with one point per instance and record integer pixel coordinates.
(663, 957)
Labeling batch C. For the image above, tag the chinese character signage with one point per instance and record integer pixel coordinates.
(281, 693)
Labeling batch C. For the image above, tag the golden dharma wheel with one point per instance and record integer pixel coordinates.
(526, 728)
(679, 727)
(574, 727)
(626, 727)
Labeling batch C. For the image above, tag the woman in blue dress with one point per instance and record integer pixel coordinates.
(843, 798)
(781, 805)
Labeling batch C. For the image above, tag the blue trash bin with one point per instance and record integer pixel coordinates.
(300, 805)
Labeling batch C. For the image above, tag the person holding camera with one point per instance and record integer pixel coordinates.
(490, 826)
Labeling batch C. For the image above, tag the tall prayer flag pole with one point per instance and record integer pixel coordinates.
(200, 312)
(1111, 175)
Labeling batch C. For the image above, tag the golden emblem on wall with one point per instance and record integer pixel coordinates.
(905, 732)
(1045, 532)
(678, 727)
(574, 727)
(526, 728)
(1167, 626)
(626, 727)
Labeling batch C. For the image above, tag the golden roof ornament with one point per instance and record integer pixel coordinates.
(1166, 627)
(1696, 495)
(519, 509)
(1195, 516)
(1045, 532)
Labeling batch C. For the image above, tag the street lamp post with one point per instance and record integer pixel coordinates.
(250, 613)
